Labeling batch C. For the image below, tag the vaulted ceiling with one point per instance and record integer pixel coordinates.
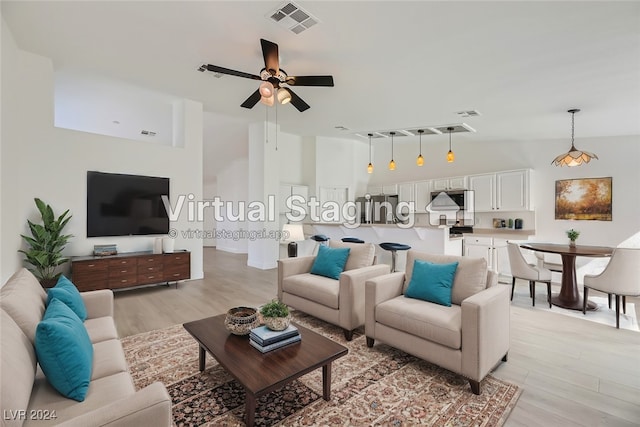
(395, 64)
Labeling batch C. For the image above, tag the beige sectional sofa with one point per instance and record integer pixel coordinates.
(468, 338)
(26, 398)
(340, 302)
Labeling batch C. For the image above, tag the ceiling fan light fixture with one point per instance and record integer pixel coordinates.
(284, 96)
(573, 157)
(266, 89)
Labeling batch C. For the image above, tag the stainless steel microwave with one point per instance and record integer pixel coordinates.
(451, 199)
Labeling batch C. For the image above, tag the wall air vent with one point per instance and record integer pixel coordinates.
(292, 17)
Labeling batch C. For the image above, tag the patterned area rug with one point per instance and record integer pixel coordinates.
(371, 386)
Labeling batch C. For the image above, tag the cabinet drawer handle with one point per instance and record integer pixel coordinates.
(124, 281)
(91, 265)
(151, 277)
(149, 268)
(178, 257)
(123, 271)
(150, 260)
(123, 262)
(176, 274)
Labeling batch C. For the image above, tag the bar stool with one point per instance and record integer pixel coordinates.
(320, 238)
(350, 239)
(394, 248)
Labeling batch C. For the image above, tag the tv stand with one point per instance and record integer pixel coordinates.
(131, 269)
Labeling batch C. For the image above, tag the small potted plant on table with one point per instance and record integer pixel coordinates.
(572, 235)
(276, 315)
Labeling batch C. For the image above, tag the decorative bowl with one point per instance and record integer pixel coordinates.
(277, 323)
(240, 320)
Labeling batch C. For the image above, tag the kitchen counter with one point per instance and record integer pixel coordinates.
(502, 232)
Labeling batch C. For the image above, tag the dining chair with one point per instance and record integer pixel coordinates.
(520, 269)
(619, 277)
(549, 265)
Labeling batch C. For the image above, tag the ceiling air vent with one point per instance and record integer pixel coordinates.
(468, 113)
(292, 17)
(147, 132)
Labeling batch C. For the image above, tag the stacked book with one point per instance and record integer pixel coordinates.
(264, 339)
(105, 250)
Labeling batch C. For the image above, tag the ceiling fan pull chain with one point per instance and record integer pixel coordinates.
(276, 126)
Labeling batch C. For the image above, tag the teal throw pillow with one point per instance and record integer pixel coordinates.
(64, 351)
(432, 282)
(330, 262)
(67, 292)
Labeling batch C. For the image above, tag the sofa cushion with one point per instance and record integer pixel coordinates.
(423, 319)
(24, 300)
(18, 367)
(101, 329)
(101, 392)
(432, 282)
(330, 262)
(67, 292)
(64, 351)
(320, 289)
(108, 359)
(471, 274)
(360, 254)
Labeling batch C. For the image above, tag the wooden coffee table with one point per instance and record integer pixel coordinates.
(260, 373)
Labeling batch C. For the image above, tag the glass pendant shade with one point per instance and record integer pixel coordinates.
(392, 165)
(573, 157)
(370, 165)
(284, 96)
(370, 168)
(450, 156)
(267, 100)
(266, 89)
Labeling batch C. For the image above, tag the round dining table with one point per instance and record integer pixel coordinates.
(569, 296)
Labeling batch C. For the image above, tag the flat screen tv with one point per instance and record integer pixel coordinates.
(124, 205)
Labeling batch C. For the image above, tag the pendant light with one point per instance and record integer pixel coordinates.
(450, 156)
(392, 164)
(420, 159)
(266, 89)
(370, 165)
(573, 157)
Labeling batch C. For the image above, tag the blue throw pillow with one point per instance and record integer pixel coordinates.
(67, 292)
(432, 282)
(330, 262)
(64, 351)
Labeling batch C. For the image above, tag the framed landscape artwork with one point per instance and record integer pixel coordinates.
(584, 199)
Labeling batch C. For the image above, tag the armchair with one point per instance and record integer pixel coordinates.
(468, 338)
(340, 302)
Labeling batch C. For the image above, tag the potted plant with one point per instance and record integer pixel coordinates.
(572, 235)
(46, 244)
(276, 315)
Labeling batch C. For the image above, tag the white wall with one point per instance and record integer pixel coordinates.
(617, 159)
(233, 187)
(209, 190)
(39, 160)
(339, 164)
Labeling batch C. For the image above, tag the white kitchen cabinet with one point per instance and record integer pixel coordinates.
(484, 188)
(505, 191)
(513, 190)
(407, 194)
(453, 183)
(391, 189)
(288, 190)
(423, 196)
(494, 250)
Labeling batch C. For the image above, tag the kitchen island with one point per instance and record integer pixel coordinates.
(434, 240)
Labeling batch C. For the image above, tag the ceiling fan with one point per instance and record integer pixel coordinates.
(273, 77)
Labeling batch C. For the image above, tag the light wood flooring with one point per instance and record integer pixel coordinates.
(573, 372)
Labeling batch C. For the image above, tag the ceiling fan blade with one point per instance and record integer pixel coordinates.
(270, 54)
(222, 70)
(310, 81)
(252, 100)
(297, 102)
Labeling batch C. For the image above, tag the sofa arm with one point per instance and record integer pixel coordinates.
(351, 297)
(377, 290)
(150, 406)
(485, 330)
(98, 303)
(292, 266)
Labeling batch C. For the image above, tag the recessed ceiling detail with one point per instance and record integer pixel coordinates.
(468, 113)
(292, 17)
(428, 130)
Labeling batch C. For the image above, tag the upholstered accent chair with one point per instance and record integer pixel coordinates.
(621, 277)
(340, 302)
(469, 338)
(520, 269)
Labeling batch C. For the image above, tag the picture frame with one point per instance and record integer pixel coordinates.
(584, 199)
